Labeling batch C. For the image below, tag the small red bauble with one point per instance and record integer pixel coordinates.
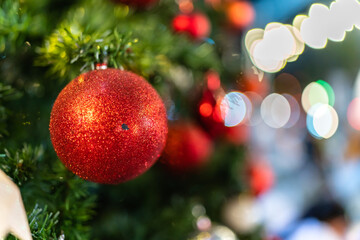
(181, 23)
(187, 148)
(197, 25)
(137, 3)
(108, 126)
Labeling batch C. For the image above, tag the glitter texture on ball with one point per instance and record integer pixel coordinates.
(108, 126)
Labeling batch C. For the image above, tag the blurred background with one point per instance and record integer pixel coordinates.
(263, 139)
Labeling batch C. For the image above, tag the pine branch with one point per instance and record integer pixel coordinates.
(75, 203)
(141, 42)
(53, 186)
(42, 224)
(65, 48)
(21, 165)
(13, 23)
(7, 93)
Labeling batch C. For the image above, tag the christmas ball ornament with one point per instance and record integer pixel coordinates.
(137, 3)
(108, 126)
(181, 23)
(187, 147)
(196, 25)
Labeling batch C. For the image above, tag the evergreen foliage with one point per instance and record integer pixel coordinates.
(44, 44)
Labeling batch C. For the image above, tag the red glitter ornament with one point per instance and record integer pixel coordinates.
(197, 25)
(187, 148)
(108, 126)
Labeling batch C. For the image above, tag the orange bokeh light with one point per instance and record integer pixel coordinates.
(240, 14)
(217, 112)
(205, 109)
(186, 6)
(213, 80)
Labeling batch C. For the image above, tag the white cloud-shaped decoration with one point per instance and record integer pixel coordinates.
(330, 23)
(270, 49)
(314, 28)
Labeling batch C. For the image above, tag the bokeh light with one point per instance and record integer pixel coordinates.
(203, 223)
(271, 48)
(287, 83)
(255, 116)
(322, 121)
(275, 110)
(261, 177)
(313, 229)
(240, 14)
(186, 6)
(313, 29)
(314, 93)
(241, 213)
(250, 82)
(329, 91)
(277, 202)
(295, 111)
(217, 115)
(331, 23)
(354, 232)
(353, 113)
(205, 109)
(234, 108)
(213, 80)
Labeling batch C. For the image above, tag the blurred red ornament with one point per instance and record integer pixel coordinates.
(240, 14)
(188, 147)
(261, 177)
(214, 123)
(137, 3)
(108, 126)
(197, 25)
(181, 23)
(213, 80)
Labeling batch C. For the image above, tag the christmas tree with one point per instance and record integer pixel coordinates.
(140, 119)
(46, 44)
